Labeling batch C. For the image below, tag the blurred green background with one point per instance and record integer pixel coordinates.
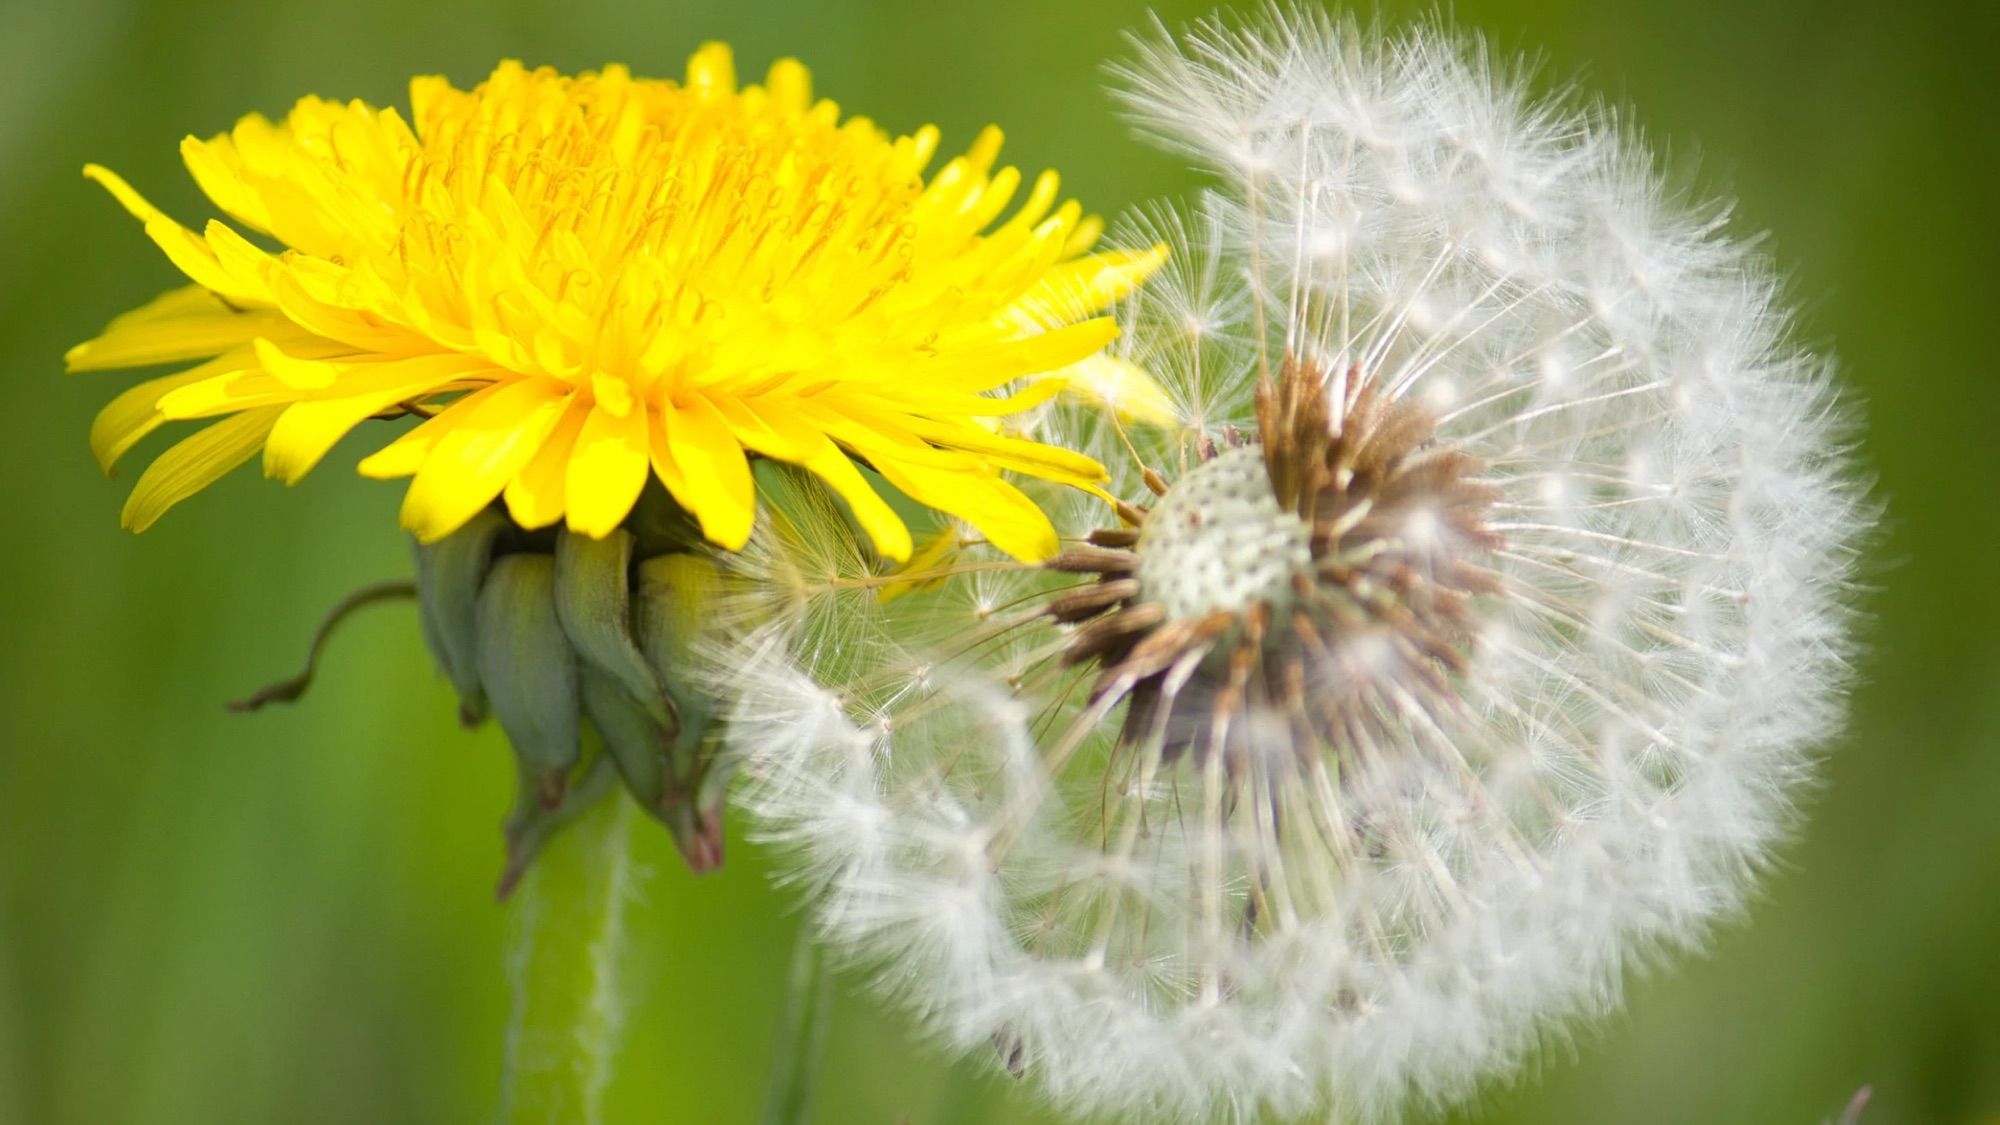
(287, 917)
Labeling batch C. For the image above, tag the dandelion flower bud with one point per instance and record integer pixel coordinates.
(1465, 644)
(583, 650)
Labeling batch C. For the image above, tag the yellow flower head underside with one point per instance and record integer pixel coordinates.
(586, 280)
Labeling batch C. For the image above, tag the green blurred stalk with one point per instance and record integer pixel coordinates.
(802, 1024)
(565, 938)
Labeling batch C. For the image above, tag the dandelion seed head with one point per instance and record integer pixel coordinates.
(1461, 644)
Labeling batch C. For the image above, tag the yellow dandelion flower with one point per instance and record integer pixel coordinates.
(583, 281)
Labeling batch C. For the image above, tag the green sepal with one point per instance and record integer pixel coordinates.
(693, 810)
(676, 592)
(594, 607)
(525, 662)
(637, 743)
(449, 574)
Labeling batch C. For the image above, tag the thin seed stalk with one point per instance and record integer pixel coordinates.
(565, 937)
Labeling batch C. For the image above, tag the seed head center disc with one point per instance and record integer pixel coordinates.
(1219, 540)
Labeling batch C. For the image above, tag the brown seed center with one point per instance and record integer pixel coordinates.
(1326, 578)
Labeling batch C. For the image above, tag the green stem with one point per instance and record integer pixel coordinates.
(802, 1024)
(565, 938)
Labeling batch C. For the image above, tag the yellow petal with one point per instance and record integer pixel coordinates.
(1040, 198)
(751, 430)
(612, 393)
(1032, 457)
(790, 84)
(256, 381)
(934, 402)
(135, 413)
(335, 323)
(777, 431)
(991, 199)
(243, 260)
(663, 460)
(479, 453)
(188, 300)
(606, 470)
(869, 434)
(992, 365)
(195, 463)
(953, 446)
(226, 393)
(1085, 236)
(713, 475)
(406, 454)
(535, 497)
(241, 383)
(298, 374)
(1128, 389)
(1001, 512)
(183, 247)
(127, 197)
(1082, 286)
(308, 429)
(985, 149)
(884, 527)
(712, 69)
(185, 323)
(219, 179)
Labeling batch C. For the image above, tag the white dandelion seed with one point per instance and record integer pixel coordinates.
(1473, 654)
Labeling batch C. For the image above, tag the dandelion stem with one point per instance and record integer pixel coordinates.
(802, 1024)
(565, 936)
